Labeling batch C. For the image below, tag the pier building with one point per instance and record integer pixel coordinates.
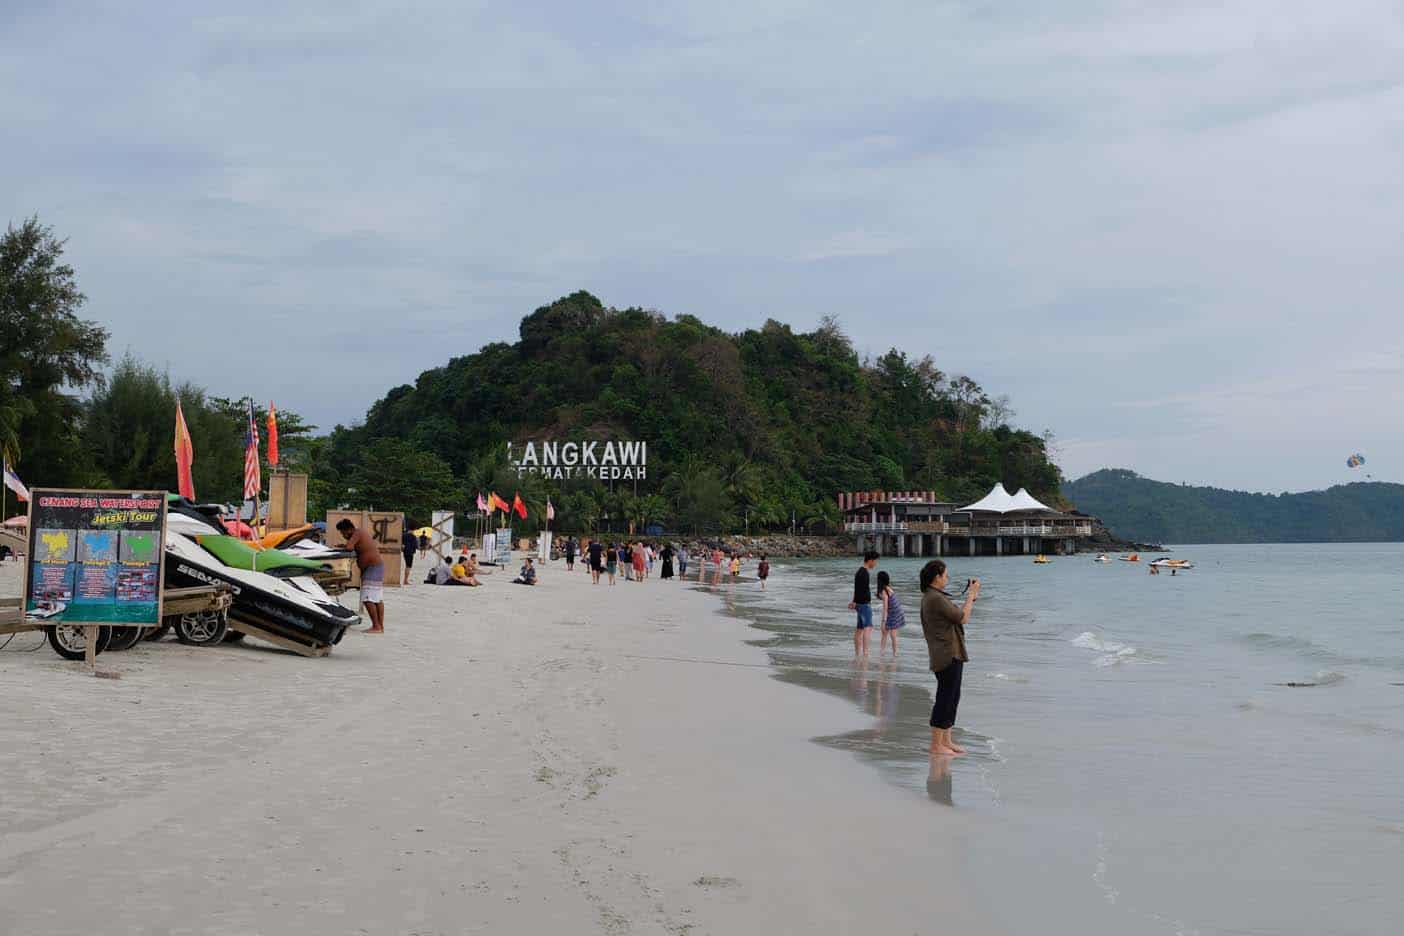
(915, 523)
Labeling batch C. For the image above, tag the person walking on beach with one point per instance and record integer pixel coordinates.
(612, 563)
(943, 626)
(570, 554)
(763, 570)
(596, 555)
(682, 561)
(667, 557)
(409, 545)
(862, 603)
(423, 545)
(372, 572)
(893, 617)
(640, 559)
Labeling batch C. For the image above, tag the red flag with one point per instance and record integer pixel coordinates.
(272, 434)
(185, 456)
(497, 503)
(518, 506)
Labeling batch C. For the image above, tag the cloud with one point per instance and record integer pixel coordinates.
(1083, 205)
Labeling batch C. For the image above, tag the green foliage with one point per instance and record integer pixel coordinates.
(1156, 511)
(46, 353)
(395, 475)
(128, 434)
(766, 425)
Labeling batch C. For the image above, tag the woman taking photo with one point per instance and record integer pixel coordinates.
(943, 625)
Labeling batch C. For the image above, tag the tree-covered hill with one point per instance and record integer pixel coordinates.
(753, 428)
(1161, 512)
(757, 430)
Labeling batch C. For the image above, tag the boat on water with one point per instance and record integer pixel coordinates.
(1041, 559)
(1134, 557)
(1165, 562)
(1102, 558)
(273, 590)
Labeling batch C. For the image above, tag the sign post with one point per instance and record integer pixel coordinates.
(96, 558)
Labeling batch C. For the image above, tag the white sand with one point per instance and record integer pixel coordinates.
(494, 764)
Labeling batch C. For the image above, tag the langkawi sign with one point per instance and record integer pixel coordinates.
(608, 460)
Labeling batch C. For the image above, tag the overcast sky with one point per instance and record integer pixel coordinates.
(1172, 236)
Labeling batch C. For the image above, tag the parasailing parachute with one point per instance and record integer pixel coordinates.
(1355, 461)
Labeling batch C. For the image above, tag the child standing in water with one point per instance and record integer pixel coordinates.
(763, 570)
(893, 617)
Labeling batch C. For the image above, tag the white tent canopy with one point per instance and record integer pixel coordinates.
(1000, 500)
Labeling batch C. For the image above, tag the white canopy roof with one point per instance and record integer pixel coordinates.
(1000, 500)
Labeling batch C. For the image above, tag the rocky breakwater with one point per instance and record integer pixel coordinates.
(777, 546)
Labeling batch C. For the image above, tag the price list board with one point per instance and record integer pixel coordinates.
(96, 557)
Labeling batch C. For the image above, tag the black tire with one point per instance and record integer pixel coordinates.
(68, 640)
(233, 636)
(156, 633)
(202, 629)
(124, 638)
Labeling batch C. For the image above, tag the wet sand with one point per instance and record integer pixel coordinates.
(568, 758)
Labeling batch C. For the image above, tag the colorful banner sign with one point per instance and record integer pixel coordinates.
(95, 557)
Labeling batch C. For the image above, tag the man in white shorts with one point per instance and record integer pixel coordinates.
(372, 573)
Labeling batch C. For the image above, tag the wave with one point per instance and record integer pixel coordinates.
(1315, 652)
(1110, 652)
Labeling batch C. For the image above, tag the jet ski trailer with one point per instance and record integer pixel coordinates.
(276, 596)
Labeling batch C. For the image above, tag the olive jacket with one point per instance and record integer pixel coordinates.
(942, 628)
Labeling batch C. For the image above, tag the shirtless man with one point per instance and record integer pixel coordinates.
(372, 573)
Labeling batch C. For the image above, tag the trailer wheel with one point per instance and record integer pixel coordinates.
(201, 629)
(70, 642)
(124, 638)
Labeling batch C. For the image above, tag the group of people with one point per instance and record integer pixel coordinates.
(942, 625)
(635, 560)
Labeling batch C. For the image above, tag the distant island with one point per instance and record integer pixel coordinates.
(1162, 512)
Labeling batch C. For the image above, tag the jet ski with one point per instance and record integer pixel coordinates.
(274, 591)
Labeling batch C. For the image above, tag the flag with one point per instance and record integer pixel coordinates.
(550, 511)
(185, 457)
(13, 482)
(252, 479)
(518, 506)
(497, 503)
(272, 434)
(482, 503)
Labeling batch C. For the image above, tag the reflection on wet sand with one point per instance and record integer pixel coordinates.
(938, 779)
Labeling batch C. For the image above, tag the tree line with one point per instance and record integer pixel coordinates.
(756, 430)
(1161, 512)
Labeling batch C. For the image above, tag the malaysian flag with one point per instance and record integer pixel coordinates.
(252, 480)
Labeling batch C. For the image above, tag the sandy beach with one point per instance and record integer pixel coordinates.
(568, 758)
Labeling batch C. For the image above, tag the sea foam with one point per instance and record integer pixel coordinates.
(1110, 652)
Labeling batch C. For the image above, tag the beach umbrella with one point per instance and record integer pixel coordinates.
(423, 531)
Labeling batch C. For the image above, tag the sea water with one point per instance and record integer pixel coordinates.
(1218, 751)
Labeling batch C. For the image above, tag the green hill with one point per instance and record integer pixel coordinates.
(1156, 511)
(758, 428)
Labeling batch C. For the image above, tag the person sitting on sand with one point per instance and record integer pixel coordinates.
(464, 573)
(527, 576)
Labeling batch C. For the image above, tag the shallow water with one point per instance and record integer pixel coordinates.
(1141, 761)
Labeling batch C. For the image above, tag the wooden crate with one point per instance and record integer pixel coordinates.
(287, 501)
(385, 528)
